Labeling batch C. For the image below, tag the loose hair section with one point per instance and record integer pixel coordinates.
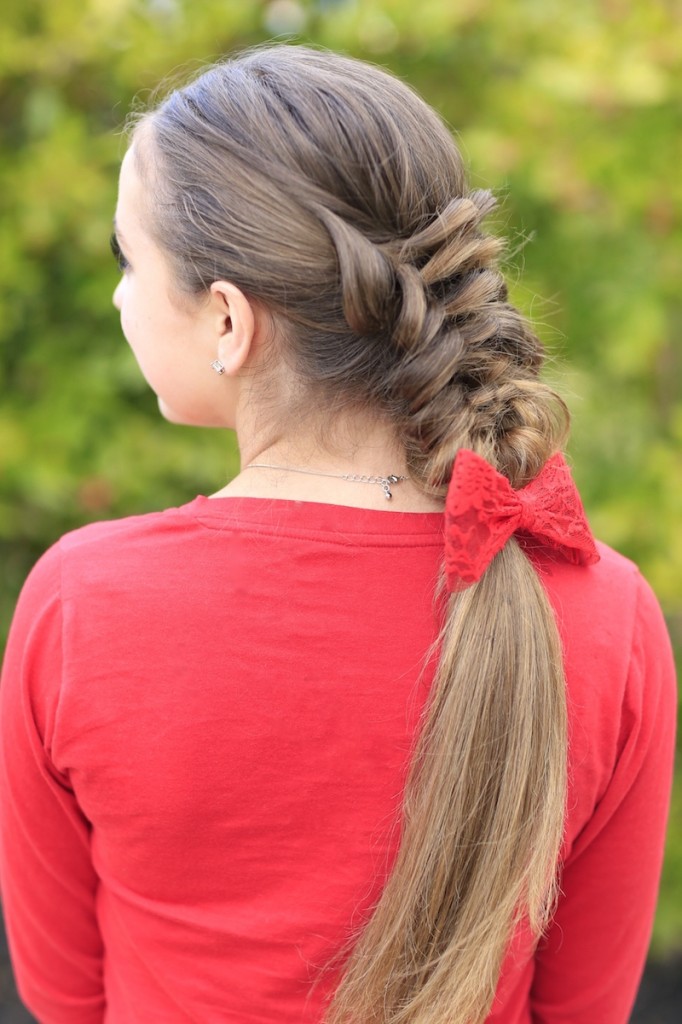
(335, 198)
(483, 814)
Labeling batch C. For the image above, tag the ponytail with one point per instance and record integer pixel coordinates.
(484, 805)
(483, 813)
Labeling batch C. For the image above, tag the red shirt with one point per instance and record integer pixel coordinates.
(206, 719)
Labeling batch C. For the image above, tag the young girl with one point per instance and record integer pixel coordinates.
(376, 733)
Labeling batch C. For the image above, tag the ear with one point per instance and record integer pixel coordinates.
(234, 324)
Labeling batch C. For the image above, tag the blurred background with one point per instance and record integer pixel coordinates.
(570, 111)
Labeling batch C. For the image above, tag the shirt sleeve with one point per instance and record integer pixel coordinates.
(48, 883)
(589, 965)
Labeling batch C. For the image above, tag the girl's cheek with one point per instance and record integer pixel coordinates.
(117, 297)
(126, 325)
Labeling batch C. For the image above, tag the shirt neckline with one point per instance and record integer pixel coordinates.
(316, 516)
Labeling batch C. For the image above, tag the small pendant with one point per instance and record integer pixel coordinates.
(387, 489)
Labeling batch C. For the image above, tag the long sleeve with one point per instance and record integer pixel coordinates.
(48, 883)
(589, 965)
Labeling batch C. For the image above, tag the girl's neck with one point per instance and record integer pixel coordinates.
(301, 469)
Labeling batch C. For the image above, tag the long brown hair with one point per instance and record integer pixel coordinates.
(334, 196)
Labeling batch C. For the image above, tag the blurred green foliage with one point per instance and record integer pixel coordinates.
(572, 112)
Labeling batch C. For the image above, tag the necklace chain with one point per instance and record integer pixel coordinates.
(384, 482)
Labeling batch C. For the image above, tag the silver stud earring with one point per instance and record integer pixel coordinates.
(217, 366)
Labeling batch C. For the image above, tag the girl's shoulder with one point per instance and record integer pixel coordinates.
(99, 554)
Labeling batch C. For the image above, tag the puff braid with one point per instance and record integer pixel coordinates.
(466, 362)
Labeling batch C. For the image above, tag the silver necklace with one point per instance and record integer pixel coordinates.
(385, 482)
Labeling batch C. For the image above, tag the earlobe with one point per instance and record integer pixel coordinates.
(234, 326)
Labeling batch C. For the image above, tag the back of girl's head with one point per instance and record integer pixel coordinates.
(330, 193)
(336, 200)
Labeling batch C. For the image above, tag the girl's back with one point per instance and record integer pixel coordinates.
(232, 690)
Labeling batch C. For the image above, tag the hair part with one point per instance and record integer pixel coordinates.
(336, 199)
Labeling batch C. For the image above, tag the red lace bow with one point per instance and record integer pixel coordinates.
(482, 511)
